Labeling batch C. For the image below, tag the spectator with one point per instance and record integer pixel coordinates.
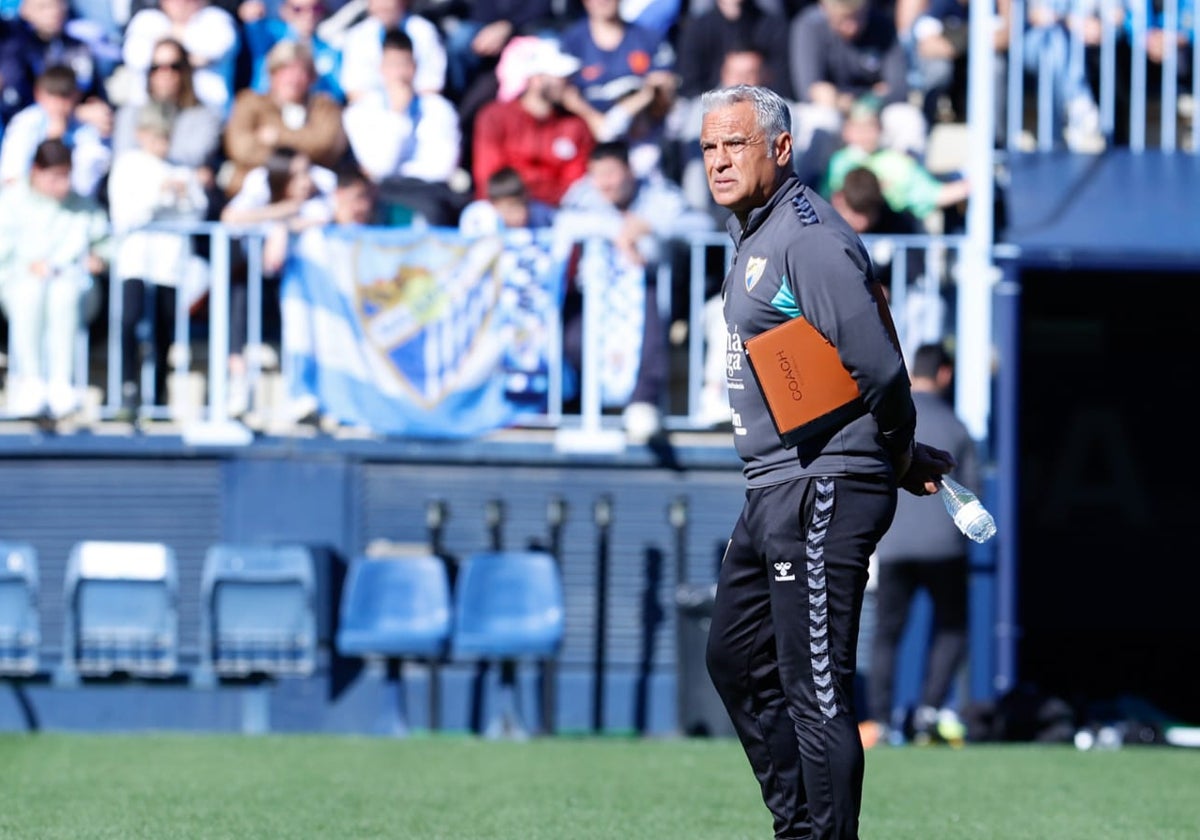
(859, 200)
(527, 128)
(506, 207)
(52, 117)
(841, 50)
(287, 194)
(36, 40)
(289, 115)
(907, 185)
(152, 266)
(1048, 49)
(364, 43)
(407, 142)
(353, 204)
(474, 44)
(293, 20)
(717, 31)
(625, 85)
(638, 216)
(923, 549)
(207, 32)
(935, 36)
(195, 128)
(52, 240)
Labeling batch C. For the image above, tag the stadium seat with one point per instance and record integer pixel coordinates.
(19, 634)
(122, 610)
(396, 608)
(508, 607)
(257, 611)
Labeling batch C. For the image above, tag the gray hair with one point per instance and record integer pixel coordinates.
(770, 110)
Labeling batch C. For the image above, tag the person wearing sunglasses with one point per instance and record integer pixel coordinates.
(195, 131)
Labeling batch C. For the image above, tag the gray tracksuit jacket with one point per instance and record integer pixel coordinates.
(797, 256)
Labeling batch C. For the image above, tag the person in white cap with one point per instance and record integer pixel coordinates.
(526, 127)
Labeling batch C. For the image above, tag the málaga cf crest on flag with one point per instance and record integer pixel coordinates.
(421, 332)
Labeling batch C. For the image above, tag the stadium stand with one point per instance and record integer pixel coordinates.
(20, 636)
(508, 607)
(397, 608)
(122, 610)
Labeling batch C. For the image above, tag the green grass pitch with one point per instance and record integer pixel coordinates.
(164, 786)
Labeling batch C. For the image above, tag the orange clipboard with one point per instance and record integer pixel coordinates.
(803, 382)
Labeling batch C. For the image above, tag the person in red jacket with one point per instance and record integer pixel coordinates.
(526, 127)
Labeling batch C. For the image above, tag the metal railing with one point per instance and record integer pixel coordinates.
(920, 273)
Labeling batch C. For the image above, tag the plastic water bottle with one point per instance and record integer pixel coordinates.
(969, 514)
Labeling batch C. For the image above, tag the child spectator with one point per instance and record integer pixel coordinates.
(364, 43)
(52, 240)
(152, 266)
(907, 185)
(506, 207)
(406, 141)
(52, 117)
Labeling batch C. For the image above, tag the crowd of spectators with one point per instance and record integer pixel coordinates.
(490, 113)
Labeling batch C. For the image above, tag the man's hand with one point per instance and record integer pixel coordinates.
(926, 469)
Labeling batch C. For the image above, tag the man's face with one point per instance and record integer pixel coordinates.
(47, 17)
(742, 68)
(57, 107)
(846, 22)
(742, 174)
(302, 15)
(290, 82)
(51, 181)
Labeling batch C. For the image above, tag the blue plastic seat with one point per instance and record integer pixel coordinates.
(395, 607)
(508, 607)
(20, 637)
(257, 611)
(122, 609)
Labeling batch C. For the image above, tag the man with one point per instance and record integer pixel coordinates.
(526, 127)
(924, 549)
(781, 647)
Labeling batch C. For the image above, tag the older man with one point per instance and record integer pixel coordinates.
(781, 649)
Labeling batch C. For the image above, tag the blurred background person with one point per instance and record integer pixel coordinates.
(407, 141)
(923, 549)
(506, 207)
(639, 216)
(52, 116)
(152, 267)
(37, 39)
(207, 32)
(52, 242)
(291, 114)
(195, 138)
(527, 128)
(364, 42)
(625, 85)
(290, 20)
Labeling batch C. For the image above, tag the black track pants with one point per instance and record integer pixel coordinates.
(781, 647)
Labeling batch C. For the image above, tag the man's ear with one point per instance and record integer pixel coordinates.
(783, 149)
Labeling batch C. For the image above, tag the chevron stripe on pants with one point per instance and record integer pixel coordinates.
(781, 647)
